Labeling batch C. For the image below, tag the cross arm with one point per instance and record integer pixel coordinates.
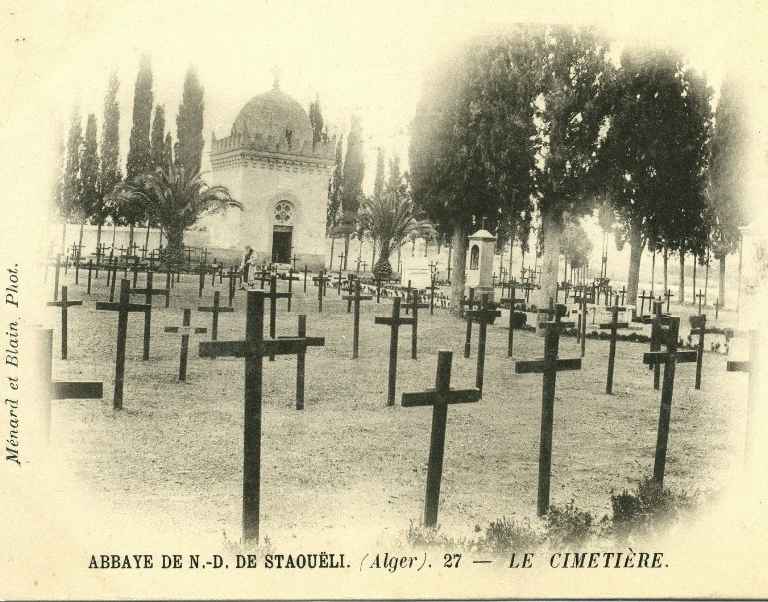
(77, 390)
(186, 329)
(220, 309)
(606, 325)
(660, 357)
(538, 366)
(148, 291)
(430, 397)
(120, 307)
(61, 303)
(739, 366)
(389, 321)
(282, 346)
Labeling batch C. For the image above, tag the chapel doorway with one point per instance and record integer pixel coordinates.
(282, 242)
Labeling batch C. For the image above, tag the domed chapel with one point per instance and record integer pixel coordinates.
(270, 164)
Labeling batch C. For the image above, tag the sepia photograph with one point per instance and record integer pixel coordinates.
(402, 300)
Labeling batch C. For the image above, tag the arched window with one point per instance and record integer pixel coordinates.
(474, 257)
(284, 213)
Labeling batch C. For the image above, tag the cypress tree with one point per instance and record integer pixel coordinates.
(378, 183)
(316, 119)
(89, 168)
(354, 170)
(156, 143)
(139, 151)
(73, 184)
(189, 125)
(335, 191)
(109, 172)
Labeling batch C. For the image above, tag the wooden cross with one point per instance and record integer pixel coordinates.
(431, 288)
(293, 262)
(483, 315)
(699, 327)
(408, 294)
(700, 296)
(356, 299)
(111, 279)
(63, 304)
(517, 319)
(90, 269)
(185, 330)
(263, 276)
(216, 309)
(669, 329)
(746, 366)
(613, 326)
(290, 278)
(656, 340)
(415, 306)
(581, 331)
(341, 263)
(305, 278)
(348, 297)
(56, 390)
(57, 275)
(669, 294)
(273, 296)
(232, 275)
(717, 307)
(252, 350)
(321, 281)
(643, 298)
(124, 307)
(148, 293)
(201, 284)
(548, 367)
(394, 323)
(301, 359)
(438, 398)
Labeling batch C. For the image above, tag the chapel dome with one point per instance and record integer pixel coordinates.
(274, 115)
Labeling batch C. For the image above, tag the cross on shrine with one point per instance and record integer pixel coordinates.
(613, 326)
(669, 328)
(356, 299)
(124, 307)
(438, 398)
(264, 275)
(148, 293)
(273, 296)
(548, 368)
(301, 359)
(216, 309)
(56, 390)
(252, 350)
(699, 327)
(517, 319)
(64, 304)
(746, 366)
(394, 323)
(185, 330)
(482, 315)
(320, 281)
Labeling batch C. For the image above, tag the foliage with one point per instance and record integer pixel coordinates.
(576, 245)
(57, 192)
(504, 535)
(726, 191)
(335, 188)
(89, 169)
(73, 183)
(189, 124)
(177, 201)
(378, 183)
(139, 158)
(568, 524)
(316, 121)
(157, 138)
(354, 169)
(109, 172)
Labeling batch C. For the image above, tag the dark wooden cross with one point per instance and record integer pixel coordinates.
(301, 358)
(394, 323)
(623, 292)
(348, 297)
(321, 281)
(305, 278)
(185, 330)
(252, 350)
(273, 296)
(700, 296)
(124, 307)
(64, 304)
(415, 306)
(293, 262)
(669, 329)
(149, 293)
(641, 317)
(341, 263)
(482, 315)
(111, 280)
(581, 331)
(408, 293)
(57, 275)
(232, 276)
(438, 398)
(548, 367)
(432, 286)
(56, 390)
(290, 278)
(746, 366)
(90, 270)
(717, 307)
(264, 275)
(669, 294)
(613, 326)
(517, 319)
(356, 299)
(215, 309)
(201, 284)
(699, 327)
(656, 341)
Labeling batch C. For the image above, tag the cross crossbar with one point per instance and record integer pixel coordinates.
(77, 390)
(258, 348)
(660, 357)
(429, 397)
(539, 366)
(739, 366)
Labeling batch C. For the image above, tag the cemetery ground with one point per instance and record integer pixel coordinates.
(348, 464)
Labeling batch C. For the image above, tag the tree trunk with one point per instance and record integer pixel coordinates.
(63, 236)
(373, 253)
(635, 255)
(653, 271)
(511, 253)
(738, 277)
(346, 252)
(399, 259)
(459, 244)
(553, 230)
(333, 244)
(693, 292)
(174, 252)
(98, 238)
(706, 278)
(383, 269)
(146, 238)
(665, 255)
(80, 240)
(721, 283)
(450, 265)
(130, 237)
(681, 292)
(114, 234)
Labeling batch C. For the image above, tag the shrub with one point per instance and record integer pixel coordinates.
(568, 524)
(507, 535)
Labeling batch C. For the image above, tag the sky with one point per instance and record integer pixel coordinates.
(363, 57)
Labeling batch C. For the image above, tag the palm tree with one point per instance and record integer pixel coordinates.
(390, 219)
(176, 201)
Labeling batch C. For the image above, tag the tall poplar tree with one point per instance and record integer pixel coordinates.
(354, 170)
(189, 125)
(73, 182)
(139, 149)
(157, 138)
(109, 164)
(89, 198)
(316, 120)
(335, 191)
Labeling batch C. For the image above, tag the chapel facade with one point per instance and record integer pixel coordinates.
(270, 164)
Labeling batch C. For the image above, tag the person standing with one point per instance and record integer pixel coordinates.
(245, 266)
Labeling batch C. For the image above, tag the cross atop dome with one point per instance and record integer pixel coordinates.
(276, 72)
